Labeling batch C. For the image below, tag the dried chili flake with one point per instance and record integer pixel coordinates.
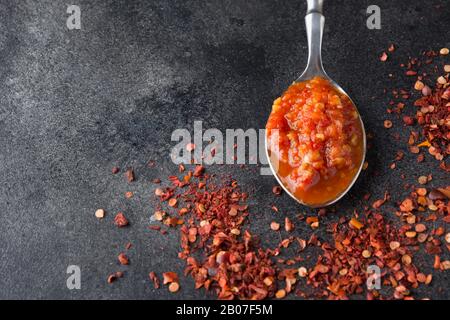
(123, 259)
(288, 225)
(378, 203)
(198, 171)
(128, 194)
(113, 277)
(356, 224)
(129, 174)
(120, 220)
(154, 279)
(169, 277)
(224, 257)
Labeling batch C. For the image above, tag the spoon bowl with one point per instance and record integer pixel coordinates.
(315, 20)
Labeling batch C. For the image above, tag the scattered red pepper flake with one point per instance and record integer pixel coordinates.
(169, 277)
(114, 276)
(120, 220)
(154, 279)
(128, 194)
(129, 174)
(234, 265)
(123, 259)
(288, 225)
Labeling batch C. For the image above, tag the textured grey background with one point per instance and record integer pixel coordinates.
(75, 103)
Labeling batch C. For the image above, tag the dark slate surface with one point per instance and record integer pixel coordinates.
(75, 103)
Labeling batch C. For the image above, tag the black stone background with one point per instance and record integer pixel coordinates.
(75, 103)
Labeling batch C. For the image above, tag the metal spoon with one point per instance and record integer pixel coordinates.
(315, 21)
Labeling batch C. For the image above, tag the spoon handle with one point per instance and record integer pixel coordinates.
(314, 29)
(314, 6)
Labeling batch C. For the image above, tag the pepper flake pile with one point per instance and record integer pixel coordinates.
(224, 257)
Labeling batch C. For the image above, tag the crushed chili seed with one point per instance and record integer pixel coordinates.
(174, 287)
(419, 85)
(423, 179)
(366, 254)
(394, 245)
(159, 192)
(274, 226)
(173, 202)
(302, 272)
(441, 80)
(100, 213)
(387, 124)
(444, 51)
(411, 219)
(276, 190)
(159, 215)
(420, 228)
(280, 294)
